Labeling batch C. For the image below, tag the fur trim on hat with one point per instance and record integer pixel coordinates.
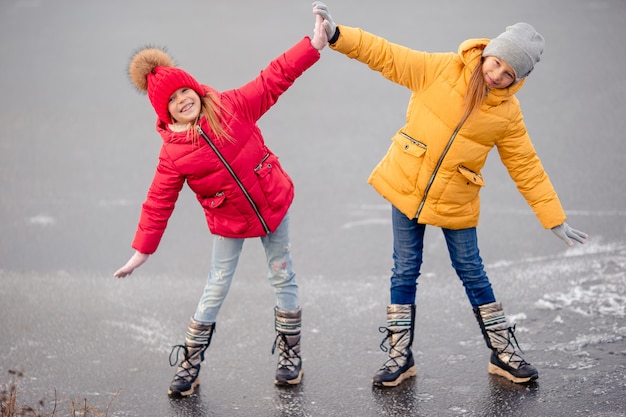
(144, 61)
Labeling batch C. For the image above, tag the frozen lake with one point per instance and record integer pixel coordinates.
(78, 151)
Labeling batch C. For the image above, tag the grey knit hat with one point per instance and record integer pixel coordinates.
(520, 46)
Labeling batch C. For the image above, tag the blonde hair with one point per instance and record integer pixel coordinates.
(212, 109)
(476, 90)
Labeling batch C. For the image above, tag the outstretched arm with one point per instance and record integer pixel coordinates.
(402, 65)
(259, 95)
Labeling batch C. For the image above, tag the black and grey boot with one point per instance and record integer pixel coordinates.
(500, 338)
(196, 342)
(400, 365)
(289, 368)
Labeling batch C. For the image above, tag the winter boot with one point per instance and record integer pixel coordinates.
(400, 365)
(289, 368)
(197, 341)
(500, 338)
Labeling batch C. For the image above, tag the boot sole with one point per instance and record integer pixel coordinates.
(187, 393)
(294, 381)
(494, 370)
(409, 373)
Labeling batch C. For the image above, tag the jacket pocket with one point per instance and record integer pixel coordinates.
(471, 176)
(274, 181)
(404, 159)
(409, 144)
(460, 196)
(223, 216)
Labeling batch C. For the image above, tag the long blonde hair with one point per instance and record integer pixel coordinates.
(213, 110)
(476, 91)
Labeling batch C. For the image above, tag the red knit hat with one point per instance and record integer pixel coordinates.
(152, 71)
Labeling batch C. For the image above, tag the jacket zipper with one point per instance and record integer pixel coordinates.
(235, 177)
(439, 162)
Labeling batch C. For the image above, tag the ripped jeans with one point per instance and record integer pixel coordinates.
(224, 261)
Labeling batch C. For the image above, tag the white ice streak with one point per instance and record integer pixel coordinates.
(526, 212)
(596, 213)
(121, 202)
(42, 220)
(148, 331)
(595, 247)
(366, 222)
(382, 216)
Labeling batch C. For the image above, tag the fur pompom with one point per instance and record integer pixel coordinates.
(144, 61)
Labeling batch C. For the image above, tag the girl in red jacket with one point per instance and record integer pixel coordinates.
(462, 106)
(212, 142)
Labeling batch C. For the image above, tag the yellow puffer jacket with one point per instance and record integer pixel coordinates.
(426, 175)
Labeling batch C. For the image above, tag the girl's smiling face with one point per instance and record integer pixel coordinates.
(184, 106)
(497, 73)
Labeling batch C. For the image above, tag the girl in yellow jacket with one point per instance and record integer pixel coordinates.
(462, 105)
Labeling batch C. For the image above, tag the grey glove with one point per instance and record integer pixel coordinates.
(566, 233)
(321, 9)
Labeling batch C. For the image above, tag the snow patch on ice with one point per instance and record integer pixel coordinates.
(42, 220)
(586, 283)
(458, 410)
(585, 340)
(514, 318)
(598, 286)
(607, 299)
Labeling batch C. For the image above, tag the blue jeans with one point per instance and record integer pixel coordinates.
(408, 245)
(224, 261)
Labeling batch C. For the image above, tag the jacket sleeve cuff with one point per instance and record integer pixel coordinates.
(335, 36)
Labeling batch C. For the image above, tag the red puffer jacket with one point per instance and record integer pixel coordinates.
(240, 184)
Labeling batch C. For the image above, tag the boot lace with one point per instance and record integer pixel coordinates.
(392, 362)
(186, 369)
(289, 358)
(514, 359)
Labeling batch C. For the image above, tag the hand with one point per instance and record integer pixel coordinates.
(329, 25)
(566, 233)
(135, 261)
(320, 38)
